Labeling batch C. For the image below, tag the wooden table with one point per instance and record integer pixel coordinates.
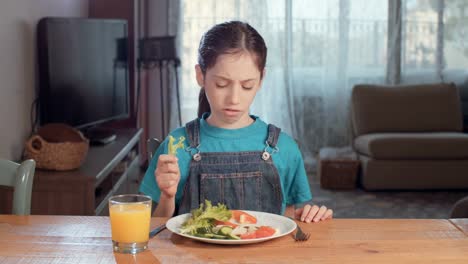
(461, 224)
(86, 239)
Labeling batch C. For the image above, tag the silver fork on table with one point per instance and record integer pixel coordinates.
(300, 235)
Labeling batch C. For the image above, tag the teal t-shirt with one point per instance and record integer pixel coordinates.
(288, 160)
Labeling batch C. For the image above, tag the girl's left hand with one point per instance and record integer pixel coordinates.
(310, 213)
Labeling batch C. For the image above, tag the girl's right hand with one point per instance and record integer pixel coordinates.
(167, 175)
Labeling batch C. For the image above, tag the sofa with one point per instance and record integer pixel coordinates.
(409, 137)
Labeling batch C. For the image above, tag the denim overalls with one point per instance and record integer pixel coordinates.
(245, 180)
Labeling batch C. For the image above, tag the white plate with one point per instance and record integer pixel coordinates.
(283, 224)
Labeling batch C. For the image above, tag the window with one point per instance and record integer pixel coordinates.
(318, 50)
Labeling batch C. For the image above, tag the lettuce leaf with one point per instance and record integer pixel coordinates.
(203, 218)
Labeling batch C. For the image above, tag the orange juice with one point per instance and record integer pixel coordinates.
(130, 223)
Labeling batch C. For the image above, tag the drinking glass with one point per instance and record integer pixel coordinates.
(130, 216)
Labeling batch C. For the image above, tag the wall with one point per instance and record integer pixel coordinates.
(18, 65)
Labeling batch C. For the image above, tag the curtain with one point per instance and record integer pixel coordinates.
(434, 46)
(158, 96)
(318, 50)
(161, 19)
(435, 41)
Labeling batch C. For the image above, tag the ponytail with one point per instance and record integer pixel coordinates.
(203, 105)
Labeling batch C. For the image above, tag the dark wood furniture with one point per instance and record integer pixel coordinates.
(108, 170)
(127, 10)
(136, 12)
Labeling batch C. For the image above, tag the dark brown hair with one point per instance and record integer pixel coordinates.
(225, 38)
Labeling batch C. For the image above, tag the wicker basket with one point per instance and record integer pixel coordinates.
(57, 147)
(338, 174)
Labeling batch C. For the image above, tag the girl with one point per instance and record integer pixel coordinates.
(227, 155)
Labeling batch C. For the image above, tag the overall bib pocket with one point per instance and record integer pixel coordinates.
(236, 190)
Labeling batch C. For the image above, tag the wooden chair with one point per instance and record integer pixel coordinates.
(460, 209)
(152, 145)
(20, 177)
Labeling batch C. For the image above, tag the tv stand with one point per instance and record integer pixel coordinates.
(107, 170)
(100, 135)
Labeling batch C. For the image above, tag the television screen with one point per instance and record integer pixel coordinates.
(83, 71)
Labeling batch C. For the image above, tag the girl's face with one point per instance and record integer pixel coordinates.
(230, 86)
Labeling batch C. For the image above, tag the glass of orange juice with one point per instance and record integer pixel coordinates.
(130, 216)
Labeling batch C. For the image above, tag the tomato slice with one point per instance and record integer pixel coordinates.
(243, 217)
(264, 231)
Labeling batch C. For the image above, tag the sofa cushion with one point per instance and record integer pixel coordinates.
(413, 174)
(412, 108)
(418, 146)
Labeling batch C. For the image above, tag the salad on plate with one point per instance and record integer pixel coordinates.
(218, 222)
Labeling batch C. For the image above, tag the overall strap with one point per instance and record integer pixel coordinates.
(193, 131)
(273, 135)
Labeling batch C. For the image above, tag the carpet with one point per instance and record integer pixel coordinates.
(359, 203)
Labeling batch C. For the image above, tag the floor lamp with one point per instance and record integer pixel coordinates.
(159, 52)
